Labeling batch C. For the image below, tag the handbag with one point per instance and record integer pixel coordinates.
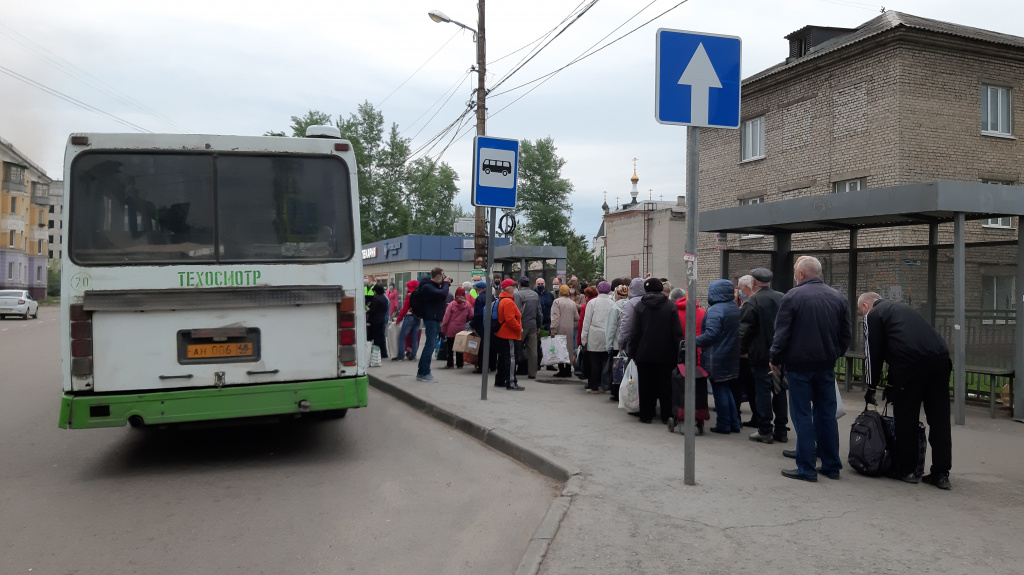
(578, 365)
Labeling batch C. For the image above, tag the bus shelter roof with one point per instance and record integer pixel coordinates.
(912, 204)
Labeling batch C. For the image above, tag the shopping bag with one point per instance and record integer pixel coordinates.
(375, 356)
(629, 393)
(580, 366)
(840, 412)
(391, 336)
(554, 350)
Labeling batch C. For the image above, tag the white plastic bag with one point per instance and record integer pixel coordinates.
(555, 350)
(375, 356)
(391, 335)
(840, 412)
(629, 391)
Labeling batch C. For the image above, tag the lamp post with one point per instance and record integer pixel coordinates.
(480, 230)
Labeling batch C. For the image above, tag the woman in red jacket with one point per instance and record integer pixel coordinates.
(456, 317)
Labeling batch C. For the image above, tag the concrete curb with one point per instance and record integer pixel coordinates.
(522, 451)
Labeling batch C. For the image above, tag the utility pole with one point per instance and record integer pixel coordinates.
(480, 245)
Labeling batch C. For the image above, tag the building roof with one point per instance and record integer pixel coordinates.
(890, 20)
(22, 158)
(914, 204)
(600, 230)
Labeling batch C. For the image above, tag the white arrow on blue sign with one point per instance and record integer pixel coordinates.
(697, 79)
(495, 172)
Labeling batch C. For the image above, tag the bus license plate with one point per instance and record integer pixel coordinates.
(219, 350)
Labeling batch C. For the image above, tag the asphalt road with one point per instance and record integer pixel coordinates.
(385, 490)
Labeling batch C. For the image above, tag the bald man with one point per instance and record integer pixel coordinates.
(812, 331)
(919, 368)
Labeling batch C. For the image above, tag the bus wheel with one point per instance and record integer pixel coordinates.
(334, 413)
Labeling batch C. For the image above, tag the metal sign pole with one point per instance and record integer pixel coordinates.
(690, 398)
(485, 349)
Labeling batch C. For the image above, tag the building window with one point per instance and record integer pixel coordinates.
(10, 271)
(854, 185)
(42, 217)
(50, 224)
(997, 296)
(51, 209)
(995, 110)
(752, 139)
(10, 244)
(39, 273)
(14, 206)
(39, 247)
(751, 202)
(1004, 222)
(14, 173)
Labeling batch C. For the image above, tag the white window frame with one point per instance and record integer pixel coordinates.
(39, 274)
(854, 185)
(11, 242)
(751, 202)
(10, 271)
(995, 296)
(996, 111)
(752, 139)
(1003, 222)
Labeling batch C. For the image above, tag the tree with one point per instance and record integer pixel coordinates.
(580, 260)
(543, 194)
(543, 197)
(431, 195)
(312, 118)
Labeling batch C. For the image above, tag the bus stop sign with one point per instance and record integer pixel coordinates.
(495, 172)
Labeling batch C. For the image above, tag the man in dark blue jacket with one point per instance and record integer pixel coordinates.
(433, 293)
(721, 357)
(812, 331)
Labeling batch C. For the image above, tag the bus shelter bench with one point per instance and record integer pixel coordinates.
(983, 383)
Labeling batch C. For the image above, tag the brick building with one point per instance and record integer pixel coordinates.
(645, 236)
(24, 207)
(899, 100)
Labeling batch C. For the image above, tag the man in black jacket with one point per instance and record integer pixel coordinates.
(812, 331)
(655, 334)
(377, 320)
(434, 292)
(919, 368)
(757, 331)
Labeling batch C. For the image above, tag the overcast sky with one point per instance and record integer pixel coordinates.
(220, 67)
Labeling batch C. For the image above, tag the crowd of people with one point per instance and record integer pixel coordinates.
(777, 352)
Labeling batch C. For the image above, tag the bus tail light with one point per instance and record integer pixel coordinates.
(81, 341)
(347, 331)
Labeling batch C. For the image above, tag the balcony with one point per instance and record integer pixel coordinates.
(9, 186)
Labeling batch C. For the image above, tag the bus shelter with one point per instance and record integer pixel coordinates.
(918, 243)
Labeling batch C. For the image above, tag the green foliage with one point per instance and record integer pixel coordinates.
(580, 260)
(312, 118)
(53, 278)
(545, 211)
(543, 195)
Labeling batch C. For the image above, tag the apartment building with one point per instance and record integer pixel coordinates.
(55, 222)
(24, 216)
(898, 100)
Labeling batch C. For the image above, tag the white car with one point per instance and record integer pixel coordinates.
(18, 302)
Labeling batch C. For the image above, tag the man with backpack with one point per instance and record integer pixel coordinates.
(919, 369)
(428, 302)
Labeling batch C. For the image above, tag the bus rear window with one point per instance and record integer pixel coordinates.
(159, 208)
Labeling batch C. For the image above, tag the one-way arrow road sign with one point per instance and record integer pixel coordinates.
(698, 79)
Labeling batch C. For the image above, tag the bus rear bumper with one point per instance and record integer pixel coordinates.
(83, 411)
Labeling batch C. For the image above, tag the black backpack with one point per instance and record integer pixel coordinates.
(416, 302)
(869, 445)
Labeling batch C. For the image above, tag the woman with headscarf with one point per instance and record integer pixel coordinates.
(593, 335)
(700, 405)
(654, 340)
(721, 354)
(611, 330)
(589, 293)
(456, 316)
(564, 317)
(467, 287)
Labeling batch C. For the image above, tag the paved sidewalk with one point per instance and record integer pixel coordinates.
(633, 514)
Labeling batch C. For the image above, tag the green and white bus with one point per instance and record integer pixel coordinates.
(210, 278)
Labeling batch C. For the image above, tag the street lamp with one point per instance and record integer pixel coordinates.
(480, 234)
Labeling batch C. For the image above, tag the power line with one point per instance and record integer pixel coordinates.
(548, 43)
(584, 55)
(378, 105)
(427, 123)
(83, 76)
(67, 98)
(542, 36)
(451, 88)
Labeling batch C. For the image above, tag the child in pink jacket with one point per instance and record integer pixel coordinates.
(456, 317)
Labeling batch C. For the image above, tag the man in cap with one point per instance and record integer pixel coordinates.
(509, 336)
(529, 306)
(757, 331)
